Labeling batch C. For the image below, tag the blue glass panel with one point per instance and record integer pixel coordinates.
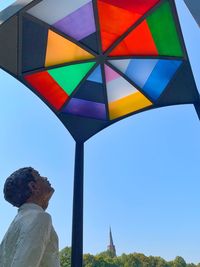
(160, 77)
(139, 70)
(96, 76)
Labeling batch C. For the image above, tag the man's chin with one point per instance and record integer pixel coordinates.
(52, 190)
(50, 193)
(48, 197)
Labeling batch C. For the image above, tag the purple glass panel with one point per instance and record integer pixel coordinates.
(78, 24)
(86, 108)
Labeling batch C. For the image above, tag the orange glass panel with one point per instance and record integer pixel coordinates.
(61, 50)
(138, 42)
(114, 21)
(129, 104)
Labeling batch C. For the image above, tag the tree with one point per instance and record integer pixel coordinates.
(192, 265)
(105, 259)
(65, 257)
(179, 262)
(88, 260)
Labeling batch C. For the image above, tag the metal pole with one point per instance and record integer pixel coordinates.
(77, 220)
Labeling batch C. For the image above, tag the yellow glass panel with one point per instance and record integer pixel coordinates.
(61, 50)
(129, 104)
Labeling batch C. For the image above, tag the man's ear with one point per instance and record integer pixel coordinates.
(33, 186)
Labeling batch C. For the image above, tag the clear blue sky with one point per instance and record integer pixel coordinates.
(141, 174)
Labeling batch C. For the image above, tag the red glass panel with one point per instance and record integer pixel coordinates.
(138, 42)
(43, 83)
(114, 21)
(139, 6)
(117, 16)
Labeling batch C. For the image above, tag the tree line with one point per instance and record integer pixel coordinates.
(106, 259)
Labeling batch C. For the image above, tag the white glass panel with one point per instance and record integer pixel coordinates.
(119, 88)
(51, 11)
(121, 64)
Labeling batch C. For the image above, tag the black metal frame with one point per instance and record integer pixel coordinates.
(77, 221)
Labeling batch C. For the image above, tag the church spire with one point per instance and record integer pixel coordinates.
(111, 246)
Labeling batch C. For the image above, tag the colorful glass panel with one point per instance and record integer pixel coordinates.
(78, 24)
(117, 16)
(46, 86)
(138, 70)
(70, 76)
(160, 77)
(164, 32)
(137, 6)
(151, 75)
(138, 42)
(123, 98)
(61, 50)
(73, 18)
(93, 88)
(96, 76)
(51, 11)
(86, 108)
(152, 38)
(127, 105)
(117, 87)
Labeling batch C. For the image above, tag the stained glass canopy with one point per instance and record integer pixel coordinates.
(96, 62)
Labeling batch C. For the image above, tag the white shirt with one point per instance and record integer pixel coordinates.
(31, 240)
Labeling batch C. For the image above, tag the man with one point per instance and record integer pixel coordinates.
(31, 240)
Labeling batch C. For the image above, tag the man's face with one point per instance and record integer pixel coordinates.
(42, 189)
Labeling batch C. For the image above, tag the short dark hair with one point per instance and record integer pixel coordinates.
(16, 189)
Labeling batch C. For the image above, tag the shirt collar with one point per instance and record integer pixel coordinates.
(28, 206)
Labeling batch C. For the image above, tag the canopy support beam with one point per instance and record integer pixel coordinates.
(197, 107)
(77, 221)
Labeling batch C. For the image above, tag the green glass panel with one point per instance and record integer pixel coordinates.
(70, 76)
(163, 29)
